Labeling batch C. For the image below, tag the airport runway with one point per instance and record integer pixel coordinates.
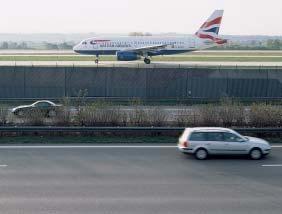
(159, 179)
(140, 64)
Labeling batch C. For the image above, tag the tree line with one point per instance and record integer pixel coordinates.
(33, 46)
(270, 44)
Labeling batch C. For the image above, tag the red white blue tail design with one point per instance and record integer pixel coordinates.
(210, 29)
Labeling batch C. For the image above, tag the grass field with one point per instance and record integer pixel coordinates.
(175, 58)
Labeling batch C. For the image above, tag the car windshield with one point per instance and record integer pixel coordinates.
(241, 136)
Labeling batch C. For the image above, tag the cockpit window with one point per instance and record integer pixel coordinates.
(84, 43)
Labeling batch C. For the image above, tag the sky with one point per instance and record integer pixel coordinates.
(242, 17)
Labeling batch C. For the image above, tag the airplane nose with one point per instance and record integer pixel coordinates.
(76, 48)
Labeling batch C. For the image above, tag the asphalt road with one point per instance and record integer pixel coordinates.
(135, 180)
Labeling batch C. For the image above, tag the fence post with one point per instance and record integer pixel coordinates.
(24, 91)
(227, 84)
(65, 83)
(267, 84)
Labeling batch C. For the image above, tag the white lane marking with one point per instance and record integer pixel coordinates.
(3, 165)
(276, 146)
(74, 147)
(272, 165)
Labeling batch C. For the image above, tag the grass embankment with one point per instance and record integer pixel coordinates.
(175, 58)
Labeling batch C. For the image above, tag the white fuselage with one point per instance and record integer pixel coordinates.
(111, 45)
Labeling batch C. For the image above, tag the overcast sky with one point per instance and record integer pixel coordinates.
(242, 17)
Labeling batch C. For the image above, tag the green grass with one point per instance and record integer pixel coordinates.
(175, 58)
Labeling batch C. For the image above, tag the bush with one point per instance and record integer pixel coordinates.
(139, 115)
(81, 98)
(34, 118)
(187, 117)
(231, 113)
(63, 114)
(227, 113)
(157, 117)
(100, 114)
(144, 116)
(262, 115)
(3, 115)
(209, 115)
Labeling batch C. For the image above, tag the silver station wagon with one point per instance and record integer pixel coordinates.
(203, 142)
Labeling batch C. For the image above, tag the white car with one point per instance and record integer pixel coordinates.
(46, 107)
(203, 142)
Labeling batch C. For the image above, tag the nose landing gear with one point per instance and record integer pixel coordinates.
(97, 59)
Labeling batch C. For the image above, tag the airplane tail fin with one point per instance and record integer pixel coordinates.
(210, 29)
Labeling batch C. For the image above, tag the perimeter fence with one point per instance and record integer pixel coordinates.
(194, 83)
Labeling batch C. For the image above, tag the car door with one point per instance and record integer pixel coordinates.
(235, 143)
(215, 143)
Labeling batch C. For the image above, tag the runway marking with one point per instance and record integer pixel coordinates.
(272, 165)
(3, 166)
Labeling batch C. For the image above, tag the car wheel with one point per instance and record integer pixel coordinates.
(201, 154)
(256, 154)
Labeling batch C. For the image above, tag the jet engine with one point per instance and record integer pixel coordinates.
(127, 56)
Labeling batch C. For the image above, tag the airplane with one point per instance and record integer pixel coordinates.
(130, 48)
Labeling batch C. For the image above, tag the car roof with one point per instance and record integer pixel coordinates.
(44, 101)
(208, 129)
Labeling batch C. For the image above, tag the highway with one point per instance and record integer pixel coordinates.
(126, 179)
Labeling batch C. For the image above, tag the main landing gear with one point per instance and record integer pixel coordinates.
(147, 60)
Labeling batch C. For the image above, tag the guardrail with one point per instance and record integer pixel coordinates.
(51, 129)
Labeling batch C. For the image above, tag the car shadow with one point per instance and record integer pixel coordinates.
(227, 157)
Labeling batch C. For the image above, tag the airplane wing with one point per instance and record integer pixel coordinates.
(146, 49)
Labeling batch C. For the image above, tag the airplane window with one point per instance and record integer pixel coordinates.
(84, 43)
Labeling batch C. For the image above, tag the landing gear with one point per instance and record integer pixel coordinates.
(97, 59)
(147, 61)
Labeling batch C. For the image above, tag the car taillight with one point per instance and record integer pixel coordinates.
(186, 144)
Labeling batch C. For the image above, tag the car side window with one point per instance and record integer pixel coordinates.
(230, 137)
(198, 136)
(42, 104)
(215, 136)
